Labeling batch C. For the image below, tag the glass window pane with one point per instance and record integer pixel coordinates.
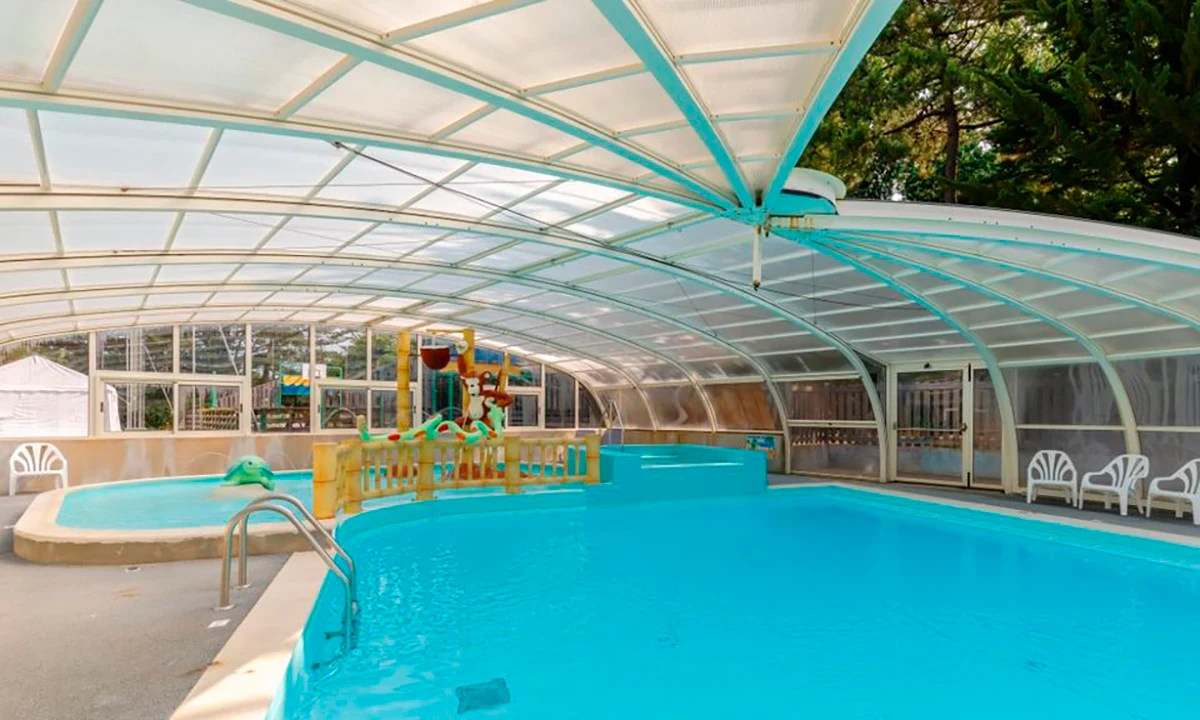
(43, 408)
(852, 451)
(524, 373)
(524, 411)
(626, 409)
(70, 351)
(383, 356)
(1076, 394)
(1163, 391)
(343, 352)
(383, 409)
(929, 400)
(281, 388)
(743, 406)
(441, 392)
(832, 400)
(210, 408)
(340, 407)
(825, 361)
(678, 406)
(560, 400)
(1089, 449)
(212, 349)
(144, 407)
(135, 350)
(1169, 451)
(589, 410)
(986, 434)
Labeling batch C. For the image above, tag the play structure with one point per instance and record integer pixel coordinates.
(468, 449)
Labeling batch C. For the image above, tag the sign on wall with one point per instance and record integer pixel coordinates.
(766, 443)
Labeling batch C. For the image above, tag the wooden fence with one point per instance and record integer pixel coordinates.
(349, 473)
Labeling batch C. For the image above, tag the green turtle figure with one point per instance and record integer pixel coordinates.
(250, 470)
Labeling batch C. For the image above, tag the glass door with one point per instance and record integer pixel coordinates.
(931, 425)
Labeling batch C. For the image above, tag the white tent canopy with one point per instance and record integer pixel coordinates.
(40, 398)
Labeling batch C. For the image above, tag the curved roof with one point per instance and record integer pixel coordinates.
(579, 179)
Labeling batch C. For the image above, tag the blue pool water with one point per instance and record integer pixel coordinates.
(171, 502)
(185, 502)
(813, 603)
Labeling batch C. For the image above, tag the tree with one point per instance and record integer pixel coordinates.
(912, 120)
(1106, 124)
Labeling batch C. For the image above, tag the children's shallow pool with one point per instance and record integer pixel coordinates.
(191, 502)
(808, 603)
(171, 502)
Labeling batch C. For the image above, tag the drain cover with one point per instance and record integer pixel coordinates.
(481, 696)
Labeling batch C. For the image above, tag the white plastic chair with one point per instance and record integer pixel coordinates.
(1123, 473)
(32, 459)
(1050, 468)
(1188, 477)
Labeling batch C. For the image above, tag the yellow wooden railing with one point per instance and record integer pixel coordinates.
(348, 473)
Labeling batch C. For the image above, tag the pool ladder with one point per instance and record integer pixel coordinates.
(269, 503)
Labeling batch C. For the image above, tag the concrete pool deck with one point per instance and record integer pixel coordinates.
(105, 643)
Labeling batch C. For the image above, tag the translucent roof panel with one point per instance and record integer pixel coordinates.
(579, 180)
(217, 60)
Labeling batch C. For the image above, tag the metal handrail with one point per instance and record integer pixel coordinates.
(244, 545)
(226, 569)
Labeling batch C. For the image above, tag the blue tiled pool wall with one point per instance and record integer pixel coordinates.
(724, 439)
(641, 473)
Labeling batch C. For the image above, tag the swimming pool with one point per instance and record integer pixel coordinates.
(812, 603)
(180, 502)
(187, 502)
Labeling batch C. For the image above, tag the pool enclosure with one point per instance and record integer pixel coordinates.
(606, 189)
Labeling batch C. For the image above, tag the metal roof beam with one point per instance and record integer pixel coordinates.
(639, 34)
(1124, 407)
(865, 24)
(328, 33)
(367, 263)
(92, 200)
(76, 29)
(411, 32)
(322, 289)
(336, 72)
(121, 322)
(137, 108)
(1048, 232)
(454, 19)
(1032, 271)
(818, 47)
(1008, 423)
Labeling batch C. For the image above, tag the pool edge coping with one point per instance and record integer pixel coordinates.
(274, 605)
(243, 679)
(38, 537)
(1031, 514)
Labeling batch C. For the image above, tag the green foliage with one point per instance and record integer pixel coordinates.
(1107, 126)
(911, 122)
(158, 414)
(1080, 107)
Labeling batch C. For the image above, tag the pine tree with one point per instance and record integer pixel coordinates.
(1105, 123)
(911, 120)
